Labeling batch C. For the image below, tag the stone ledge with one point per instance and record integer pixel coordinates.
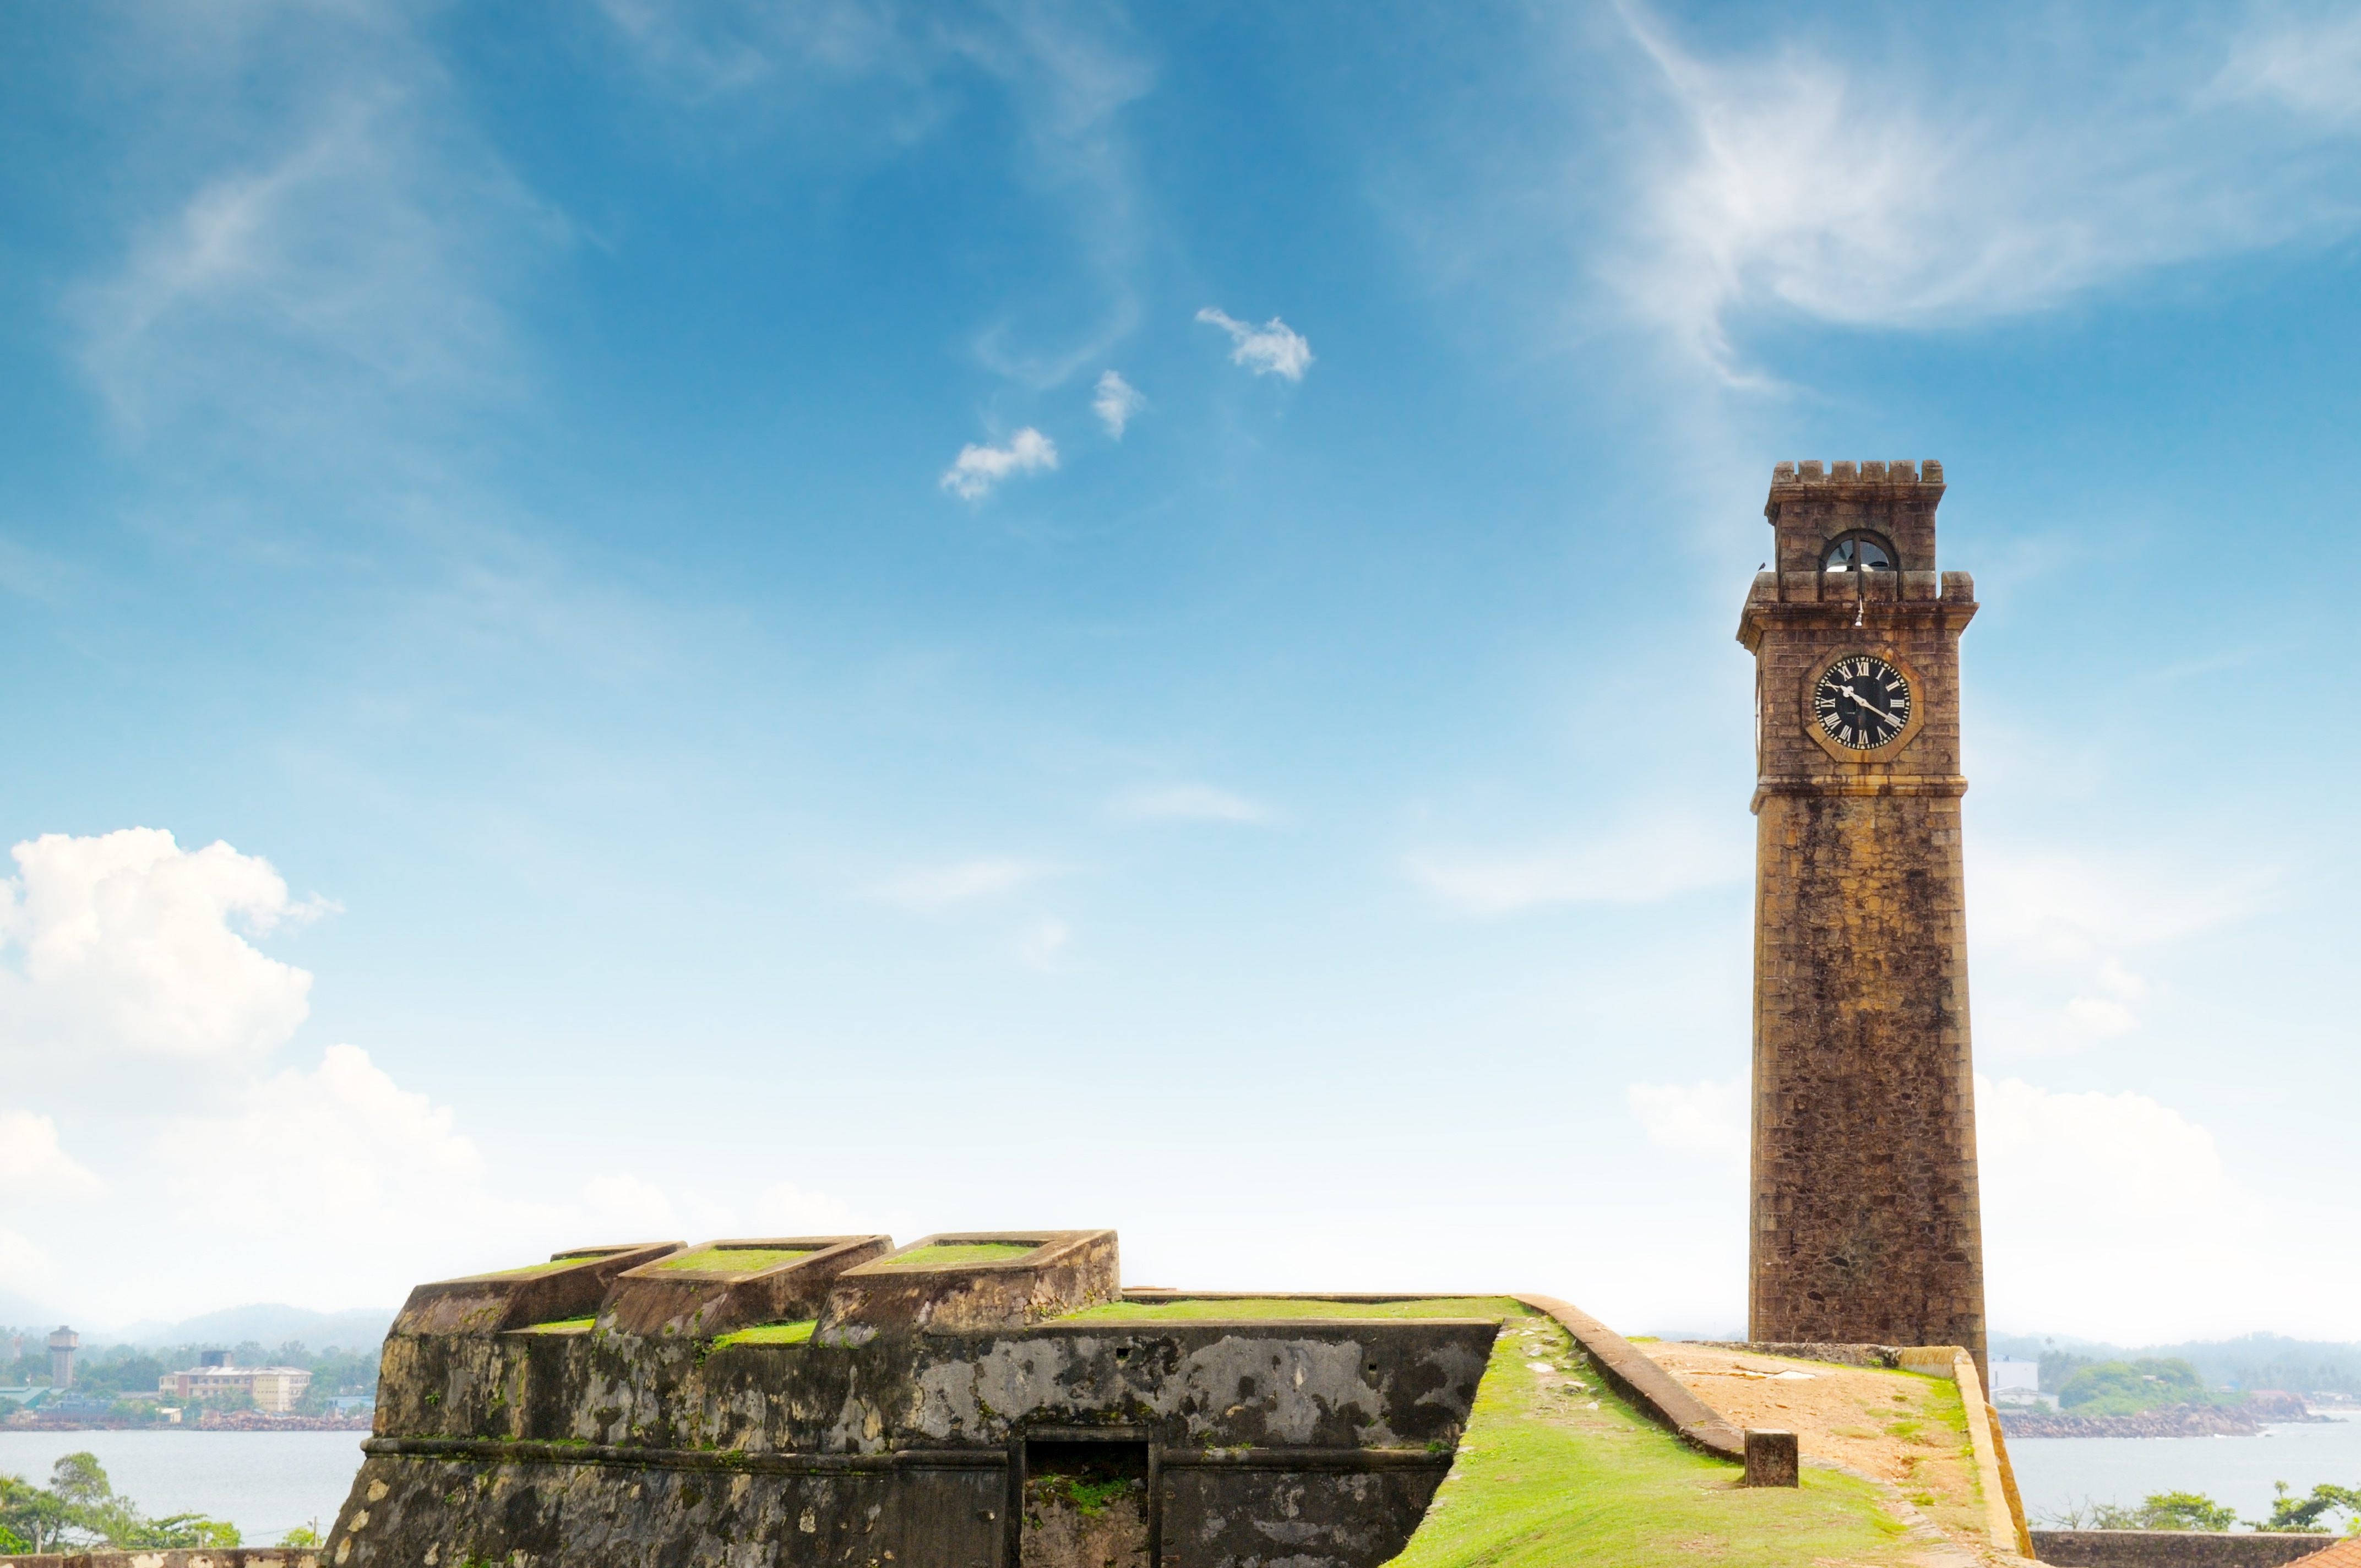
(2172, 1549)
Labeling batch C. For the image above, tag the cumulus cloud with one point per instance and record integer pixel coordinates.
(372, 1155)
(927, 889)
(1115, 402)
(1706, 1120)
(126, 944)
(977, 469)
(1650, 861)
(1271, 349)
(33, 1165)
(785, 1209)
(1190, 802)
(2091, 1203)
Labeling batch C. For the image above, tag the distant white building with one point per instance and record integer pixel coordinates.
(2015, 1375)
(274, 1388)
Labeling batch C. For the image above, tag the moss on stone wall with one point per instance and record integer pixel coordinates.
(1266, 1308)
(953, 1254)
(770, 1333)
(735, 1259)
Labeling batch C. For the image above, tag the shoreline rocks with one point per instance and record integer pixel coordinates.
(2245, 1418)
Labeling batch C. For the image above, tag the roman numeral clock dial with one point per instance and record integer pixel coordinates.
(1861, 702)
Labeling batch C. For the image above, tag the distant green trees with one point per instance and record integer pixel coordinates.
(2160, 1511)
(2291, 1514)
(2129, 1387)
(79, 1506)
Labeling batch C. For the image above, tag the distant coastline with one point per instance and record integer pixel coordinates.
(2245, 1418)
(213, 1420)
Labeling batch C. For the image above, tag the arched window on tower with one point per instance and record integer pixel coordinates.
(1859, 550)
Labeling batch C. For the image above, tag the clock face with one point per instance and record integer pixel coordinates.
(1860, 702)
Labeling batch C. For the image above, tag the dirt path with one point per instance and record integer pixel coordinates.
(1904, 1430)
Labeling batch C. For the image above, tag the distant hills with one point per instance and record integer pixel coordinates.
(270, 1324)
(2251, 1361)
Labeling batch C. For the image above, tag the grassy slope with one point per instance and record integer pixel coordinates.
(734, 1259)
(950, 1254)
(1542, 1479)
(1263, 1308)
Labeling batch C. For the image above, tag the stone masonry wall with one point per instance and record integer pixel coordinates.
(1865, 1220)
(1315, 1443)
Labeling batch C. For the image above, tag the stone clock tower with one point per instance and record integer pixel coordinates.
(1866, 1221)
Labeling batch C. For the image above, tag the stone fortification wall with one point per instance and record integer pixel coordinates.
(846, 1440)
(2172, 1549)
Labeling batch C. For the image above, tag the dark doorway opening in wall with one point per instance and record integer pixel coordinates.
(1088, 1501)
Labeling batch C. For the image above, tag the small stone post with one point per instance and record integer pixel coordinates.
(1772, 1458)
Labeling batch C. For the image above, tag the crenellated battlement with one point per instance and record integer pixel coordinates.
(1902, 471)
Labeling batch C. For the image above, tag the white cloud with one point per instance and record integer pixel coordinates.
(2059, 941)
(977, 469)
(1043, 943)
(337, 1177)
(1860, 189)
(27, 1267)
(1271, 349)
(1115, 402)
(1192, 802)
(931, 888)
(1705, 1120)
(329, 275)
(2095, 1205)
(626, 1208)
(2312, 67)
(370, 1156)
(127, 948)
(784, 1209)
(1647, 861)
(33, 1165)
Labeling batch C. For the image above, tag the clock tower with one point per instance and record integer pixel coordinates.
(1865, 1220)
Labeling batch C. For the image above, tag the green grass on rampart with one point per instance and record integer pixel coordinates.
(735, 1259)
(951, 1254)
(770, 1333)
(1549, 1474)
(531, 1268)
(1260, 1308)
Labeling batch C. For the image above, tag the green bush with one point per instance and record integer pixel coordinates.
(81, 1503)
(2292, 1516)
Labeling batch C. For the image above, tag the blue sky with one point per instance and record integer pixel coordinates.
(714, 715)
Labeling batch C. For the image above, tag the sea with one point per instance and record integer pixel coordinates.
(265, 1482)
(2056, 1472)
(268, 1483)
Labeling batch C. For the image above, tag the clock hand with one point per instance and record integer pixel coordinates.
(1869, 705)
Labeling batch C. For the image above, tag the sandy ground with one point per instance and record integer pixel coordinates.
(1877, 1423)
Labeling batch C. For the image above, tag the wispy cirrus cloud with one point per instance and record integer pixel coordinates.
(1190, 802)
(1880, 191)
(2307, 64)
(929, 889)
(1648, 860)
(978, 470)
(1273, 348)
(325, 279)
(2070, 945)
